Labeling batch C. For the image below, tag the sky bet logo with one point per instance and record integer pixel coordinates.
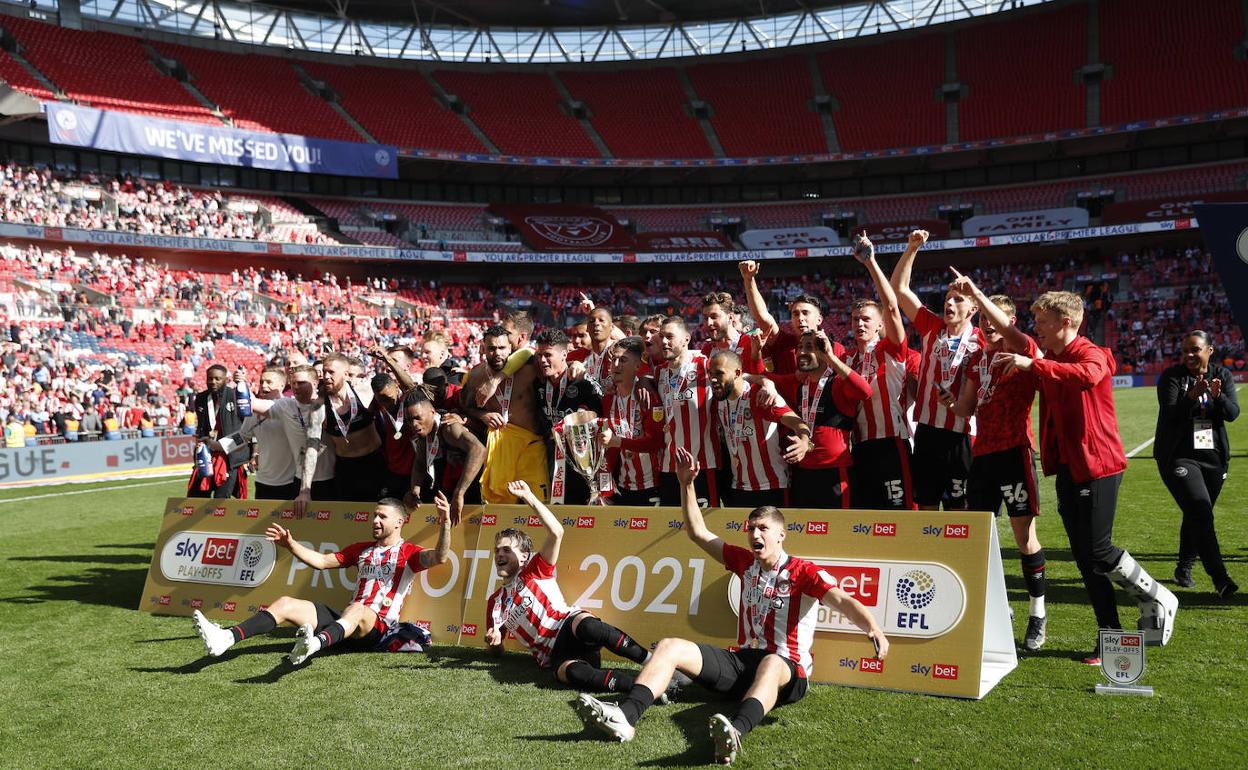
(816, 527)
(584, 522)
(866, 665)
(489, 520)
(958, 531)
(936, 671)
(878, 529)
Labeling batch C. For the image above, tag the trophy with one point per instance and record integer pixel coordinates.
(580, 433)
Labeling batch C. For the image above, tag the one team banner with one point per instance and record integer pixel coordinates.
(204, 143)
(1225, 228)
(933, 581)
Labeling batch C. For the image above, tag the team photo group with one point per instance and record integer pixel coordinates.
(899, 406)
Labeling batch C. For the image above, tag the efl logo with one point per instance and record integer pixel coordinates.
(941, 671)
(253, 513)
(871, 665)
(220, 551)
(638, 522)
(959, 531)
(470, 629)
(197, 603)
(322, 515)
(228, 606)
(816, 527)
(584, 522)
(534, 521)
(489, 520)
(164, 600)
(884, 530)
(361, 516)
(218, 511)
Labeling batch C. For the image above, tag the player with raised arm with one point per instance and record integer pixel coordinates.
(950, 347)
(530, 607)
(779, 602)
(1003, 468)
(387, 565)
(779, 344)
(720, 318)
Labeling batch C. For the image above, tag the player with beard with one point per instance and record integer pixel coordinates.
(560, 392)
(828, 393)
(721, 321)
(530, 607)
(386, 568)
(779, 349)
(504, 401)
(632, 432)
(772, 663)
(881, 438)
(750, 424)
(360, 466)
(433, 436)
(1003, 468)
(519, 328)
(684, 387)
(951, 346)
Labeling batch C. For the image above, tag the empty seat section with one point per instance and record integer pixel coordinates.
(13, 73)
(1042, 96)
(519, 112)
(761, 107)
(396, 106)
(639, 113)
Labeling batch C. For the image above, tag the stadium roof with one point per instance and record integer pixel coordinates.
(535, 31)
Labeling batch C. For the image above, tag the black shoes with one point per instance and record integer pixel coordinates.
(1183, 576)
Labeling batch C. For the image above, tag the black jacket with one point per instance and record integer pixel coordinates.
(1177, 412)
(228, 421)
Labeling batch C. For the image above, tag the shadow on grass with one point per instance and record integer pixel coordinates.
(142, 546)
(108, 586)
(92, 558)
(508, 669)
(198, 665)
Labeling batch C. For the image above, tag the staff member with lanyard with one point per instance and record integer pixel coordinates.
(360, 470)
(1197, 397)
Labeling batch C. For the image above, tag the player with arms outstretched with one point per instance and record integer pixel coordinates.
(387, 566)
(780, 598)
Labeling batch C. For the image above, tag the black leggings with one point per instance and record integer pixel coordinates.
(1195, 487)
(1087, 512)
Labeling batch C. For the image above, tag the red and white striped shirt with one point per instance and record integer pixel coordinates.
(685, 390)
(531, 607)
(946, 361)
(638, 420)
(385, 575)
(597, 365)
(883, 414)
(744, 345)
(752, 433)
(778, 608)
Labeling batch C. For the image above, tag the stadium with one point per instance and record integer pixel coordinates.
(267, 265)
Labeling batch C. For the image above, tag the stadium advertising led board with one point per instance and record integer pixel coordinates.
(932, 580)
(201, 143)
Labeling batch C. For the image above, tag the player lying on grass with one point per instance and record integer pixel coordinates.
(530, 606)
(780, 598)
(387, 565)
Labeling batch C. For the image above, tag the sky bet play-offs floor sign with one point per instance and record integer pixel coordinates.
(932, 580)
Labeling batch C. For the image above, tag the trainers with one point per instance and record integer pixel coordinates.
(668, 696)
(1035, 637)
(606, 717)
(1227, 589)
(1093, 658)
(216, 639)
(306, 645)
(1183, 576)
(726, 739)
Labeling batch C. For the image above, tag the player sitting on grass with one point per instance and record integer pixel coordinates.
(387, 565)
(780, 598)
(531, 607)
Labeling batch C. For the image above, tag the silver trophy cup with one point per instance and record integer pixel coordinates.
(581, 448)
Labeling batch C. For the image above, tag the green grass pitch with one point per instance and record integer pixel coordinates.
(87, 681)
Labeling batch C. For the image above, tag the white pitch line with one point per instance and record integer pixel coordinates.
(1141, 447)
(81, 492)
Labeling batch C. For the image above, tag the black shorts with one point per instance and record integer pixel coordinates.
(396, 485)
(640, 497)
(942, 465)
(568, 647)
(705, 484)
(882, 475)
(820, 488)
(327, 616)
(731, 674)
(1009, 477)
(360, 479)
(286, 491)
(740, 498)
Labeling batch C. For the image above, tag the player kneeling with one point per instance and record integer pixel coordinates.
(531, 607)
(780, 597)
(387, 566)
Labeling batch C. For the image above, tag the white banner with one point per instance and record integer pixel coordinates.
(1026, 221)
(790, 237)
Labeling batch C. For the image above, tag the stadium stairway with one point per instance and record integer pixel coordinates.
(704, 119)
